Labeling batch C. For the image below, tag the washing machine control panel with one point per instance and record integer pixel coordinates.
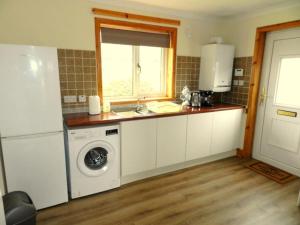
(101, 132)
(111, 132)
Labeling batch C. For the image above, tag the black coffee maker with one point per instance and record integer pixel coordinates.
(206, 98)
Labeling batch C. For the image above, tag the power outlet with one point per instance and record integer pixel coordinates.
(241, 83)
(70, 99)
(235, 82)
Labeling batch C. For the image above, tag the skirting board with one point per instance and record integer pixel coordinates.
(179, 166)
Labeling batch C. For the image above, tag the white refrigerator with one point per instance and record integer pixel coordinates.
(31, 126)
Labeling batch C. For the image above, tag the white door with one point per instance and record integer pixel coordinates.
(226, 131)
(36, 164)
(138, 146)
(29, 90)
(277, 135)
(199, 131)
(171, 140)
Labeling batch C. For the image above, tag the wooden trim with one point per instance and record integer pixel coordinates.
(131, 16)
(279, 26)
(172, 31)
(257, 64)
(134, 101)
(118, 24)
(98, 60)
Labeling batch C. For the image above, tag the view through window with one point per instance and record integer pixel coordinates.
(288, 82)
(130, 72)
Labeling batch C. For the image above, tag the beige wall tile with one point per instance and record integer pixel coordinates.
(77, 70)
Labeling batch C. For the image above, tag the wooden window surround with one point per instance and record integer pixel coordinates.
(257, 64)
(124, 15)
(171, 64)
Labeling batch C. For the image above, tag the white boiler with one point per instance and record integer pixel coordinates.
(216, 67)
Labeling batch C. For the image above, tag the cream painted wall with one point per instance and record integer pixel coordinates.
(240, 31)
(70, 24)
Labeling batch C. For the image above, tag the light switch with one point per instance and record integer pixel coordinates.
(241, 83)
(235, 82)
(70, 98)
(239, 72)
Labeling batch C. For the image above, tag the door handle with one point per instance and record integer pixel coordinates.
(263, 95)
(139, 68)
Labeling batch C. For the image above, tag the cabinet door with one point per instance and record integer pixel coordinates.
(227, 127)
(171, 140)
(199, 131)
(138, 146)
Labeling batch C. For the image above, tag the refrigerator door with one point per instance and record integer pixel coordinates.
(29, 90)
(36, 164)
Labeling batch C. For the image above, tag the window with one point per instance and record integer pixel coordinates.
(287, 93)
(135, 60)
(133, 71)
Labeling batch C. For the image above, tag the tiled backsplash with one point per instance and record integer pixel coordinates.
(239, 93)
(77, 72)
(187, 73)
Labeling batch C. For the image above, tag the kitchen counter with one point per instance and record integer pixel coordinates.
(84, 119)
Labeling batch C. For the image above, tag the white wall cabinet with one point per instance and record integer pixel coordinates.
(138, 146)
(227, 127)
(199, 132)
(171, 140)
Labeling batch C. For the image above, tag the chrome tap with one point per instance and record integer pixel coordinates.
(140, 107)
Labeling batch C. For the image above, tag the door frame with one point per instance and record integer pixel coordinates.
(257, 64)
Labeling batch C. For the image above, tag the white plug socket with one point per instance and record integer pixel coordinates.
(70, 99)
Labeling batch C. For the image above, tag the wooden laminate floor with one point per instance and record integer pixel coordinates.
(222, 192)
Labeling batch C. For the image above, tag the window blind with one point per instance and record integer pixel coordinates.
(138, 38)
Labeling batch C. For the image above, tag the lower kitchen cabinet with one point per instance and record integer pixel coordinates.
(138, 146)
(154, 143)
(171, 140)
(199, 131)
(226, 131)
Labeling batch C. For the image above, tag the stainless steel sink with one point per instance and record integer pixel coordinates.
(124, 109)
(127, 113)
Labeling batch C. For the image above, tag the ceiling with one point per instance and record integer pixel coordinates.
(207, 7)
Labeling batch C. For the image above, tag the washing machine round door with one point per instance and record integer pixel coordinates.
(96, 158)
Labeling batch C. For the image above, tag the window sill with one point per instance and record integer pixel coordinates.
(134, 101)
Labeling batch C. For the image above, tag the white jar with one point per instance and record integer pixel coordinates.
(106, 106)
(94, 105)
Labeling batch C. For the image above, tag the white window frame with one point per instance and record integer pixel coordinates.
(136, 80)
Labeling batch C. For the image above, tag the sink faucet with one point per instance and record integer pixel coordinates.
(140, 107)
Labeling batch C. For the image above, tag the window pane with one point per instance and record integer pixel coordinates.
(117, 72)
(152, 80)
(288, 90)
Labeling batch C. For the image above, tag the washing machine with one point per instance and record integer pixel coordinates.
(93, 159)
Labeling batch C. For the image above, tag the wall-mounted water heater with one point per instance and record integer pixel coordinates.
(216, 67)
